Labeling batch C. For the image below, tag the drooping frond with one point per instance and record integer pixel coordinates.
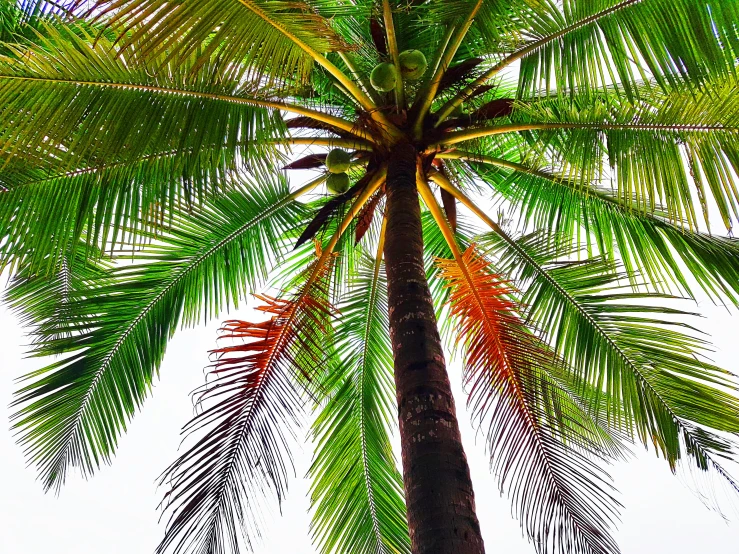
(647, 244)
(250, 407)
(544, 447)
(110, 203)
(585, 45)
(90, 139)
(43, 300)
(646, 375)
(72, 411)
(357, 490)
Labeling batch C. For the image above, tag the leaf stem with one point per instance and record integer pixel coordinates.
(392, 45)
(427, 96)
(343, 124)
(361, 79)
(479, 132)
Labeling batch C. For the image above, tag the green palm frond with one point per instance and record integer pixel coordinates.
(496, 25)
(111, 142)
(259, 39)
(645, 146)
(357, 490)
(46, 210)
(651, 374)
(583, 46)
(205, 262)
(20, 20)
(100, 102)
(43, 300)
(648, 243)
(588, 44)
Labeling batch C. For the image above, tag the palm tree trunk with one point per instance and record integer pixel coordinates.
(438, 488)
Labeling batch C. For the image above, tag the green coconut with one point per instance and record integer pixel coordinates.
(337, 183)
(412, 64)
(338, 160)
(384, 77)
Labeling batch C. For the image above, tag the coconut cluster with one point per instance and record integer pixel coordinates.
(384, 78)
(337, 163)
(413, 65)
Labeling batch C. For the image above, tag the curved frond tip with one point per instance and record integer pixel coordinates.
(250, 409)
(544, 447)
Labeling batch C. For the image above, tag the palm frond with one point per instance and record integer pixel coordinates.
(48, 211)
(249, 409)
(357, 491)
(260, 40)
(541, 442)
(83, 92)
(19, 21)
(586, 45)
(647, 373)
(90, 138)
(72, 411)
(644, 146)
(647, 244)
(43, 299)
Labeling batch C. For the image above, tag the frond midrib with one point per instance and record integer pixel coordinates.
(371, 310)
(186, 93)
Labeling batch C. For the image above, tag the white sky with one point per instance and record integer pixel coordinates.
(115, 512)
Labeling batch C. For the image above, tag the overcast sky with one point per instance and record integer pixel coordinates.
(115, 512)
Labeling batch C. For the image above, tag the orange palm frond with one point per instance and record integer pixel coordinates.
(541, 442)
(251, 406)
(481, 301)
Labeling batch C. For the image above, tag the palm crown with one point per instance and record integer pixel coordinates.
(157, 132)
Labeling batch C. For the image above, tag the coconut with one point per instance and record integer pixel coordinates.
(338, 160)
(384, 77)
(412, 64)
(337, 183)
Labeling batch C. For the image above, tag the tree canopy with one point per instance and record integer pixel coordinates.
(149, 154)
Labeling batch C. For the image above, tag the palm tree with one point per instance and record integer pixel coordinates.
(143, 146)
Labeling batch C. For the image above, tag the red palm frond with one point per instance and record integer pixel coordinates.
(311, 161)
(541, 441)
(456, 74)
(365, 217)
(251, 403)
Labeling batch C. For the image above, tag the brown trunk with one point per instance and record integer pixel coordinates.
(438, 489)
